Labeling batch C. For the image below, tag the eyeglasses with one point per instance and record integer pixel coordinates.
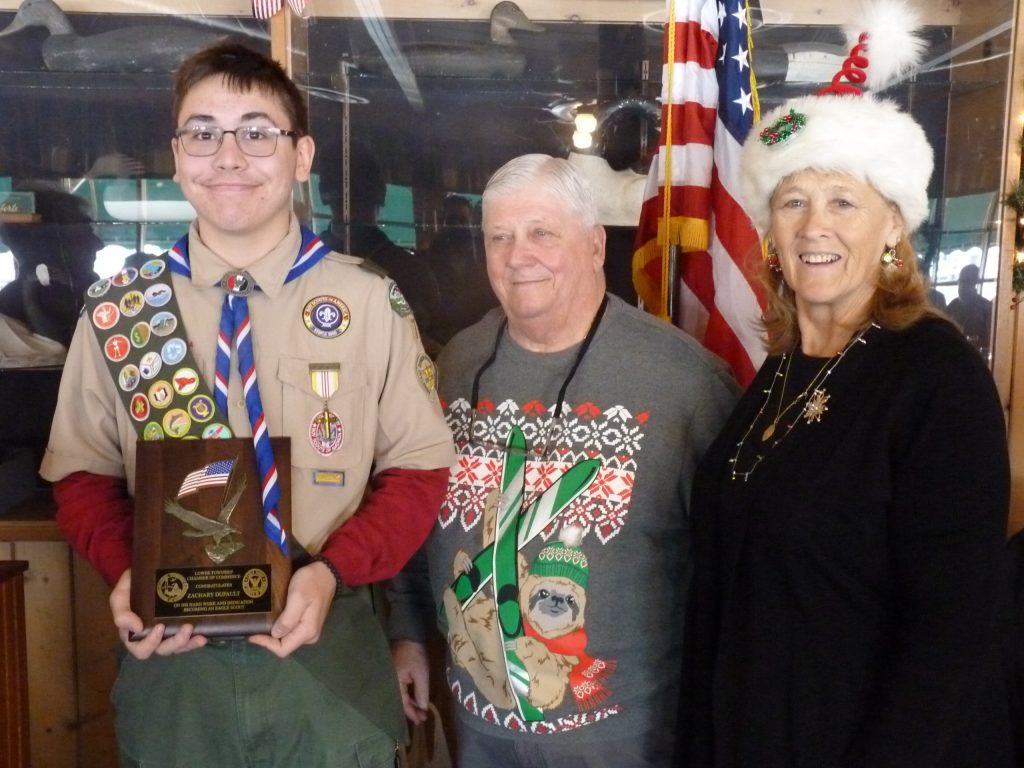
(252, 140)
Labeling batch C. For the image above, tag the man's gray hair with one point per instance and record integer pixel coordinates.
(553, 174)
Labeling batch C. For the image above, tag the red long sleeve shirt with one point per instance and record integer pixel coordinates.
(95, 514)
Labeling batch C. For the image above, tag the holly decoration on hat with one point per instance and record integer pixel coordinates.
(783, 128)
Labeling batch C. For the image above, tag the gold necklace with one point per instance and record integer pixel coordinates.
(814, 397)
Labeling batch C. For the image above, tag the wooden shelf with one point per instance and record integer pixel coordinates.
(32, 520)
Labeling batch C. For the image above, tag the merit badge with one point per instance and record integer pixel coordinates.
(163, 323)
(132, 303)
(238, 283)
(326, 434)
(200, 408)
(150, 365)
(139, 407)
(173, 351)
(99, 288)
(152, 431)
(125, 277)
(160, 394)
(326, 316)
(140, 334)
(116, 348)
(398, 303)
(106, 315)
(427, 373)
(157, 295)
(128, 378)
(176, 422)
(185, 381)
(216, 432)
(152, 268)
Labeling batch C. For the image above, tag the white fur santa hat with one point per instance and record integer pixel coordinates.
(843, 129)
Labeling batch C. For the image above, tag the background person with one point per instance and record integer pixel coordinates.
(972, 311)
(849, 521)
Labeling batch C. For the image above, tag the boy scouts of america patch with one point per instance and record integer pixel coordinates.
(398, 302)
(326, 316)
(427, 373)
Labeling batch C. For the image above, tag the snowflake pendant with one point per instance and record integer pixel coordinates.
(816, 405)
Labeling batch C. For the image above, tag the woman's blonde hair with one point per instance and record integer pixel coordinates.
(900, 300)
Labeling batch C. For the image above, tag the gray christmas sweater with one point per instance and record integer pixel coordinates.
(585, 635)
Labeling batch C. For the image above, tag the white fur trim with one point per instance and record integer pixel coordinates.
(893, 48)
(868, 138)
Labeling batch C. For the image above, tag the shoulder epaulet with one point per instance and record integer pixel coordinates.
(374, 267)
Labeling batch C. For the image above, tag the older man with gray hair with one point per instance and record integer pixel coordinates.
(558, 565)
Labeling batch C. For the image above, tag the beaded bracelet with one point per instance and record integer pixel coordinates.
(339, 583)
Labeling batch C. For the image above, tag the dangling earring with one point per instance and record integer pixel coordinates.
(890, 259)
(772, 258)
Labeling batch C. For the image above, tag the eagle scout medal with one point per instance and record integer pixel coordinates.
(326, 433)
(326, 316)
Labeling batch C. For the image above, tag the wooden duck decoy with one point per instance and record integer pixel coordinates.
(131, 49)
(499, 57)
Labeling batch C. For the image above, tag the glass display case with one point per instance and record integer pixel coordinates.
(413, 105)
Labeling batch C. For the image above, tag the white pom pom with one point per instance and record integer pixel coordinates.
(894, 47)
(571, 535)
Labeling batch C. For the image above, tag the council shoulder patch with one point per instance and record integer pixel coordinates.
(398, 301)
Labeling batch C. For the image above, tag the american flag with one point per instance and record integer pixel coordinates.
(265, 9)
(709, 103)
(212, 475)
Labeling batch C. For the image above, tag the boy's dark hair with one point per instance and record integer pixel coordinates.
(243, 69)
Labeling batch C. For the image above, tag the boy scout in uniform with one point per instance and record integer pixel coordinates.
(316, 348)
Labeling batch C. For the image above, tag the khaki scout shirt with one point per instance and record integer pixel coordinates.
(389, 411)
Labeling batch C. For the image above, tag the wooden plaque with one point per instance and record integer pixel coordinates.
(200, 555)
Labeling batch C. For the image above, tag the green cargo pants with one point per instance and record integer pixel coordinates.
(235, 705)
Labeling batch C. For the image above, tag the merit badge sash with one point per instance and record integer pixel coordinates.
(142, 337)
